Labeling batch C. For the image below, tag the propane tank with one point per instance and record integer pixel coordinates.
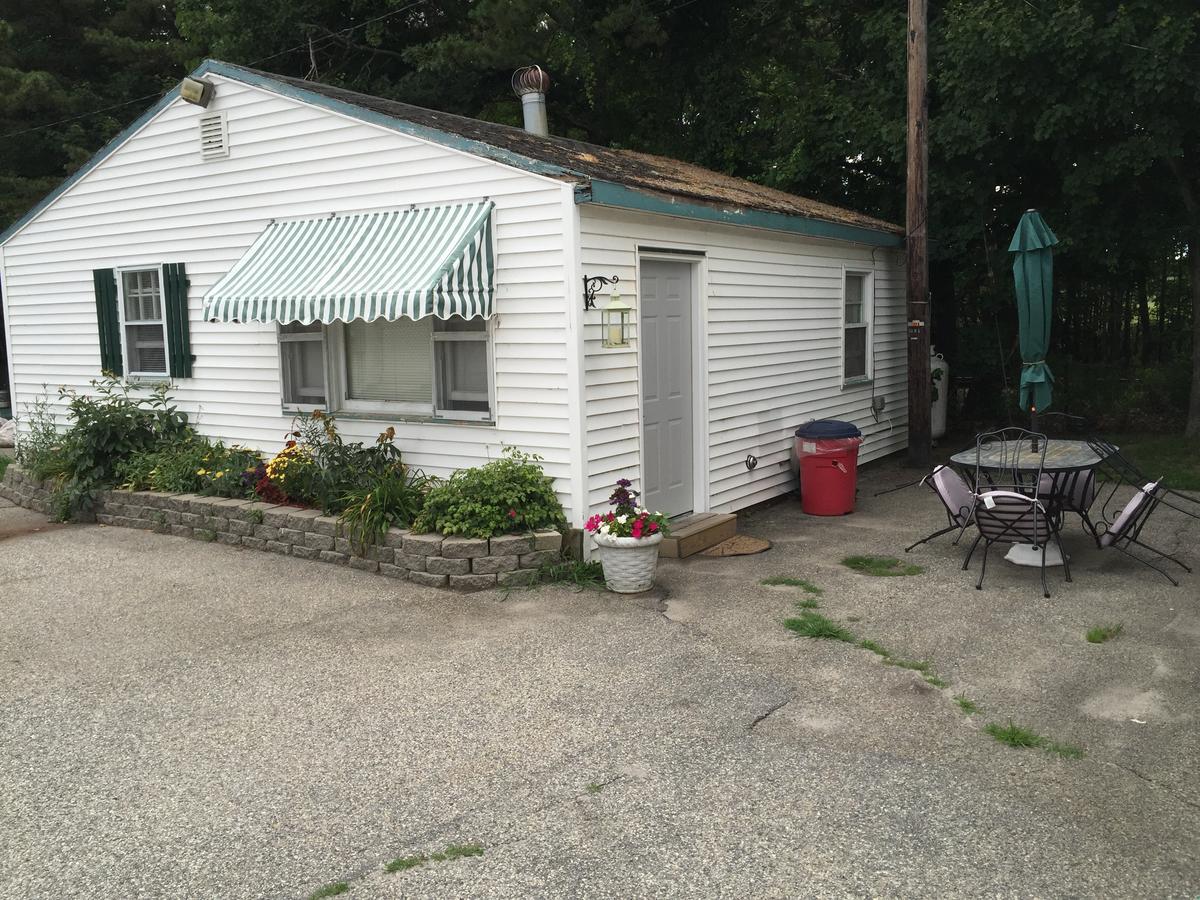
(939, 372)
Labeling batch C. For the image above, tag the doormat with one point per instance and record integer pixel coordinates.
(738, 545)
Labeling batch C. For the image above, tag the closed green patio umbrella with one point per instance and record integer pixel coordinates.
(1033, 272)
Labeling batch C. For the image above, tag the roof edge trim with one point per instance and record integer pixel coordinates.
(102, 154)
(607, 193)
(423, 132)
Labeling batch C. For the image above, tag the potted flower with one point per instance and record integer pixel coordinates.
(627, 538)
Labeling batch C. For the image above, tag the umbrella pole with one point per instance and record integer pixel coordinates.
(1033, 426)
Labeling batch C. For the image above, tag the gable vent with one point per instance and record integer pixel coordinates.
(214, 136)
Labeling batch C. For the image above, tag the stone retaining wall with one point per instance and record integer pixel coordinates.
(457, 563)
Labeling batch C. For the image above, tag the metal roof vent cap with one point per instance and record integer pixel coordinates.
(531, 84)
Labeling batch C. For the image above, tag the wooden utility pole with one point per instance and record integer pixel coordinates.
(918, 259)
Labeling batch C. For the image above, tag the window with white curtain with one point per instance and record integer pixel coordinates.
(431, 367)
(856, 341)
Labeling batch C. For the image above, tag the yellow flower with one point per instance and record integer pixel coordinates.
(218, 474)
(202, 471)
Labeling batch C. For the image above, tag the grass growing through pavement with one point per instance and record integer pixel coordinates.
(814, 625)
(880, 566)
(1102, 633)
(452, 851)
(874, 647)
(574, 572)
(966, 704)
(330, 890)
(595, 787)
(1020, 736)
(789, 581)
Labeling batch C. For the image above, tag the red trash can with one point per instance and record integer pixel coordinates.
(826, 456)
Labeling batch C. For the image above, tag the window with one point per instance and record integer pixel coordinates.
(857, 327)
(302, 358)
(460, 358)
(143, 327)
(426, 368)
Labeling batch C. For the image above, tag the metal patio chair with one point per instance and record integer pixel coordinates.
(1011, 459)
(1126, 529)
(957, 498)
(1119, 469)
(1013, 517)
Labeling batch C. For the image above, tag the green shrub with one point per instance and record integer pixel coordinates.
(392, 498)
(506, 495)
(191, 465)
(115, 424)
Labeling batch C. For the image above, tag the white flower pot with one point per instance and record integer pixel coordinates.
(629, 563)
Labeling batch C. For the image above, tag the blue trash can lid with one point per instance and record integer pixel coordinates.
(827, 429)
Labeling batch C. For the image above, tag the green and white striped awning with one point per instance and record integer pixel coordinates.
(412, 263)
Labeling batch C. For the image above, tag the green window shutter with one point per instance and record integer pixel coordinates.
(179, 339)
(108, 320)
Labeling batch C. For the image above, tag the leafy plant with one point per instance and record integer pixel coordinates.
(114, 424)
(507, 495)
(39, 442)
(392, 498)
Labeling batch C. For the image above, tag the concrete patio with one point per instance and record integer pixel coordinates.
(180, 719)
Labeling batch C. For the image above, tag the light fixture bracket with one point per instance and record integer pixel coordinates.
(592, 285)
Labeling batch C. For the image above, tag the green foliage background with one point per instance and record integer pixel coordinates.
(1088, 110)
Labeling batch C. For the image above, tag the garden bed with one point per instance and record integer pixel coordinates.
(456, 563)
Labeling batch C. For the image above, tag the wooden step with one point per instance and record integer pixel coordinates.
(699, 531)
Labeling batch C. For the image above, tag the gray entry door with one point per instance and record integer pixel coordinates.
(666, 339)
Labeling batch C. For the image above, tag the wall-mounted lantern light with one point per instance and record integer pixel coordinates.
(197, 90)
(593, 284)
(615, 322)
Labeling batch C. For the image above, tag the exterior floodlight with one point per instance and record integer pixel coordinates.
(196, 90)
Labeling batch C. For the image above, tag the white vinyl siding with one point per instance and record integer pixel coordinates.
(771, 308)
(154, 200)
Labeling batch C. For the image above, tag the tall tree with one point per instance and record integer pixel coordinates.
(75, 66)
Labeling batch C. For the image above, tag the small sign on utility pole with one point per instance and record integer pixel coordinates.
(917, 209)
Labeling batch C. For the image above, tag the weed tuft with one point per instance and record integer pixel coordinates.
(330, 890)
(1019, 736)
(966, 704)
(807, 603)
(576, 573)
(595, 788)
(880, 566)
(789, 581)
(1101, 633)
(814, 625)
(452, 851)
(875, 647)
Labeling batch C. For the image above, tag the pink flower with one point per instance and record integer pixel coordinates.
(653, 527)
(512, 513)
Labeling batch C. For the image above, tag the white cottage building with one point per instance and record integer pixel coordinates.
(293, 246)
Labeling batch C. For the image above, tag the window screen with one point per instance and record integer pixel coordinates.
(302, 356)
(857, 326)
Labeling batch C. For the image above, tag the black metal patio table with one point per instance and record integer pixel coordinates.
(1063, 457)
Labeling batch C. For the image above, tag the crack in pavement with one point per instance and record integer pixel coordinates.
(1169, 788)
(774, 709)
